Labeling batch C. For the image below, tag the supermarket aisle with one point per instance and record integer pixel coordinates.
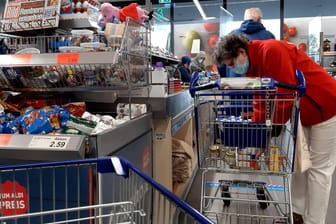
(194, 197)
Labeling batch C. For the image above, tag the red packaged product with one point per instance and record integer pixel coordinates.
(75, 109)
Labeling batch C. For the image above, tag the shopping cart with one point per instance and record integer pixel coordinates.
(69, 192)
(245, 133)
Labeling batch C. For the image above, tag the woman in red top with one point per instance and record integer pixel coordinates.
(279, 60)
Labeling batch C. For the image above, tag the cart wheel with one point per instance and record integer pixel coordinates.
(226, 194)
(262, 196)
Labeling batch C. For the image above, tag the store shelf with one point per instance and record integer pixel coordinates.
(83, 73)
(165, 60)
(42, 147)
(181, 119)
(329, 53)
(177, 106)
(110, 141)
(20, 60)
(78, 21)
(172, 105)
(330, 69)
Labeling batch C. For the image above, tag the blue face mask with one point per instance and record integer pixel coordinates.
(241, 69)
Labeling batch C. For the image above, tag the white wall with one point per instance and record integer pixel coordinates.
(328, 27)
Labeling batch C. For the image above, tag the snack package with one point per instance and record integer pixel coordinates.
(66, 6)
(42, 121)
(8, 123)
(105, 122)
(131, 109)
(81, 124)
(75, 109)
(34, 121)
(57, 116)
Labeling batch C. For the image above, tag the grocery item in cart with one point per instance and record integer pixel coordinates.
(274, 158)
(243, 83)
(114, 33)
(214, 150)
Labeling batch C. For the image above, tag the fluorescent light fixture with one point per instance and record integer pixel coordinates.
(208, 18)
(200, 9)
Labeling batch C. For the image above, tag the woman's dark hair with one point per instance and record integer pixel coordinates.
(228, 45)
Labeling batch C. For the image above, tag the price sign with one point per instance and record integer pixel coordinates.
(19, 59)
(67, 58)
(5, 139)
(49, 142)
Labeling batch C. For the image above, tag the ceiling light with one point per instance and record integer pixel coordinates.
(200, 9)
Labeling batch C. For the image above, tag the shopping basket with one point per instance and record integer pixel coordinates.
(245, 133)
(70, 192)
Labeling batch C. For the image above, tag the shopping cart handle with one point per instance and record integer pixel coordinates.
(122, 167)
(301, 87)
(193, 87)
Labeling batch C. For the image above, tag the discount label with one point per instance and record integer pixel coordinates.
(67, 58)
(13, 198)
(49, 142)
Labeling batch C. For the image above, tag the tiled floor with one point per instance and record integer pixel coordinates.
(194, 198)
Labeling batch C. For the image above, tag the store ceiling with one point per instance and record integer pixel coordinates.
(293, 8)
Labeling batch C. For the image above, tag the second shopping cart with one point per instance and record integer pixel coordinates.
(246, 130)
(71, 192)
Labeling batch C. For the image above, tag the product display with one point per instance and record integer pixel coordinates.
(71, 76)
(65, 49)
(30, 50)
(71, 118)
(81, 36)
(51, 72)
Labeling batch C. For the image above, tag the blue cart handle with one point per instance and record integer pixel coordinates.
(121, 167)
(193, 87)
(265, 83)
(300, 88)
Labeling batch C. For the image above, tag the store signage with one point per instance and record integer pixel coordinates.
(67, 58)
(49, 142)
(5, 139)
(22, 15)
(164, 1)
(19, 59)
(13, 198)
(146, 160)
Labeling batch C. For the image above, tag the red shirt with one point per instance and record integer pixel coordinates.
(279, 60)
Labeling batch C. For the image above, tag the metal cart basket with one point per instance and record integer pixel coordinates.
(68, 192)
(246, 130)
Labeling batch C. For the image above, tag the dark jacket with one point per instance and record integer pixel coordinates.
(254, 30)
(185, 73)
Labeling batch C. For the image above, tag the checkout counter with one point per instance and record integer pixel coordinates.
(172, 118)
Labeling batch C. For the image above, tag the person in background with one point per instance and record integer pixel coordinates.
(197, 63)
(279, 60)
(252, 26)
(254, 29)
(184, 69)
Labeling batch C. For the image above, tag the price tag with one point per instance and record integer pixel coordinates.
(5, 139)
(49, 142)
(160, 136)
(19, 59)
(67, 58)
